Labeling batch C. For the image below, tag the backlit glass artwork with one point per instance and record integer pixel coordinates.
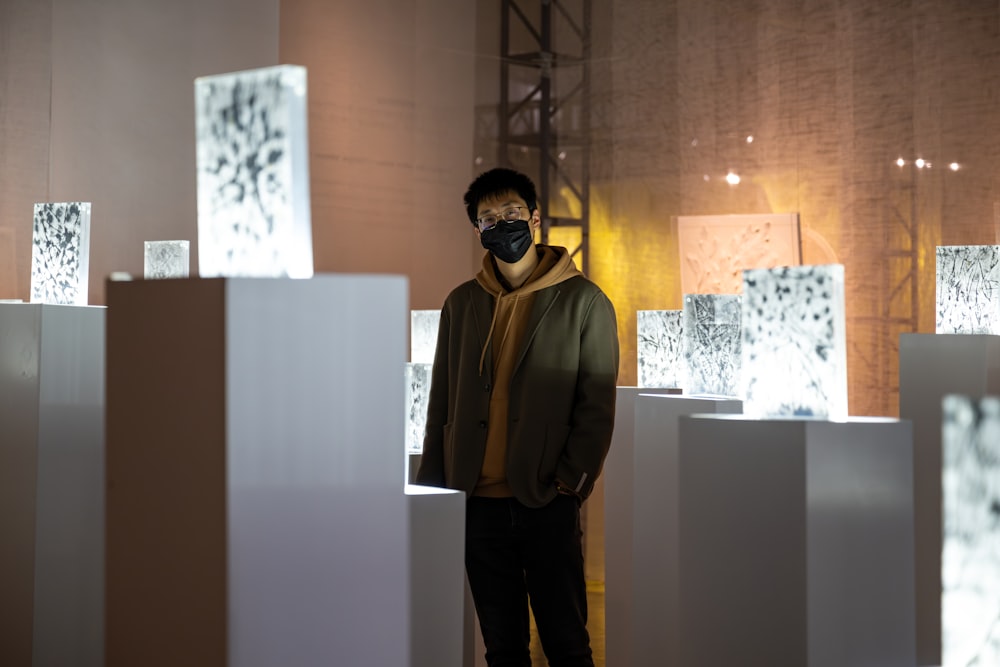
(970, 560)
(968, 289)
(659, 347)
(60, 253)
(794, 344)
(167, 259)
(253, 174)
(712, 344)
(418, 391)
(423, 335)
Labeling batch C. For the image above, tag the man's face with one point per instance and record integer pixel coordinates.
(506, 207)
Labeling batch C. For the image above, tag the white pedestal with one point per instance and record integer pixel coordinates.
(437, 567)
(255, 514)
(51, 485)
(796, 543)
(643, 583)
(931, 366)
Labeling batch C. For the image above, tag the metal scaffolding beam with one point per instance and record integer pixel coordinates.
(544, 113)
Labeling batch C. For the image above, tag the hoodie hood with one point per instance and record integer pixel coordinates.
(554, 266)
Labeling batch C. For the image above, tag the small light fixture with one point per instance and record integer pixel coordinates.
(954, 166)
(919, 162)
(900, 162)
(733, 178)
(749, 138)
(562, 155)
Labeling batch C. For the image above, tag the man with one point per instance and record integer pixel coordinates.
(520, 416)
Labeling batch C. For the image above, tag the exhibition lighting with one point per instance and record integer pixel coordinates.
(901, 162)
(954, 166)
(919, 162)
(733, 178)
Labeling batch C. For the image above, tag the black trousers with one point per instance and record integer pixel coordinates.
(516, 554)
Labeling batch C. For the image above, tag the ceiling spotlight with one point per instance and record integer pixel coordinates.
(706, 177)
(749, 138)
(901, 162)
(954, 166)
(733, 178)
(919, 162)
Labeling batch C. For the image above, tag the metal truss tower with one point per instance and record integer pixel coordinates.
(544, 114)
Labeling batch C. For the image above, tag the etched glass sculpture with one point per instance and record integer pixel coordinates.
(968, 289)
(659, 347)
(970, 560)
(253, 174)
(794, 344)
(167, 259)
(60, 253)
(423, 335)
(715, 249)
(712, 344)
(418, 391)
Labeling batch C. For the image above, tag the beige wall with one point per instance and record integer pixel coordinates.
(390, 126)
(25, 75)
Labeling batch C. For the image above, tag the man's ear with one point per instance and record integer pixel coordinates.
(536, 220)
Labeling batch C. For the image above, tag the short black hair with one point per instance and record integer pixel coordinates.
(499, 181)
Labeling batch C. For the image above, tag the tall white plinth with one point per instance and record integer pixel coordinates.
(796, 542)
(931, 366)
(51, 485)
(617, 493)
(255, 513)
(650, 601)
(437, 570)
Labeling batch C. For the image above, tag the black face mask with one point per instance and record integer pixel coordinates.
(508, 241)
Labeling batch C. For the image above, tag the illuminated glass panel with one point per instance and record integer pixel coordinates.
(253, 174)
(418, 391)
(970, 560)
(60, 254)
(712, 344)
(968, 289)
(423, 335)
(659, 347)
(794, 344)
(167, 259)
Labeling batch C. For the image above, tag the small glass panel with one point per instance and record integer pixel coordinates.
(60, 254)
(968, 289)
(418, 390)
(423, 335)
(167, 259)
(659, 335)
(712, 344)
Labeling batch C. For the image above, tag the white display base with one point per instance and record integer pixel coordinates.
(796, 542)
(51, 485)
(254, 515)
(931, 366)
(437, 567)
(644, 632)
(617, 494)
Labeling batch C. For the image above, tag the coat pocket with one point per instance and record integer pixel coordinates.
(556, 436)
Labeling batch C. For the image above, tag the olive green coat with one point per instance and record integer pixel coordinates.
(562, 394)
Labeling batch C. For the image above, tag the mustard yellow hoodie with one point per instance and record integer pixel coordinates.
(510, 319)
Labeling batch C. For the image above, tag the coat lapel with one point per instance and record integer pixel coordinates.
(544, 300)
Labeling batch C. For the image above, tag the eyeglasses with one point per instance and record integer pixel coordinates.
(510, 214)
